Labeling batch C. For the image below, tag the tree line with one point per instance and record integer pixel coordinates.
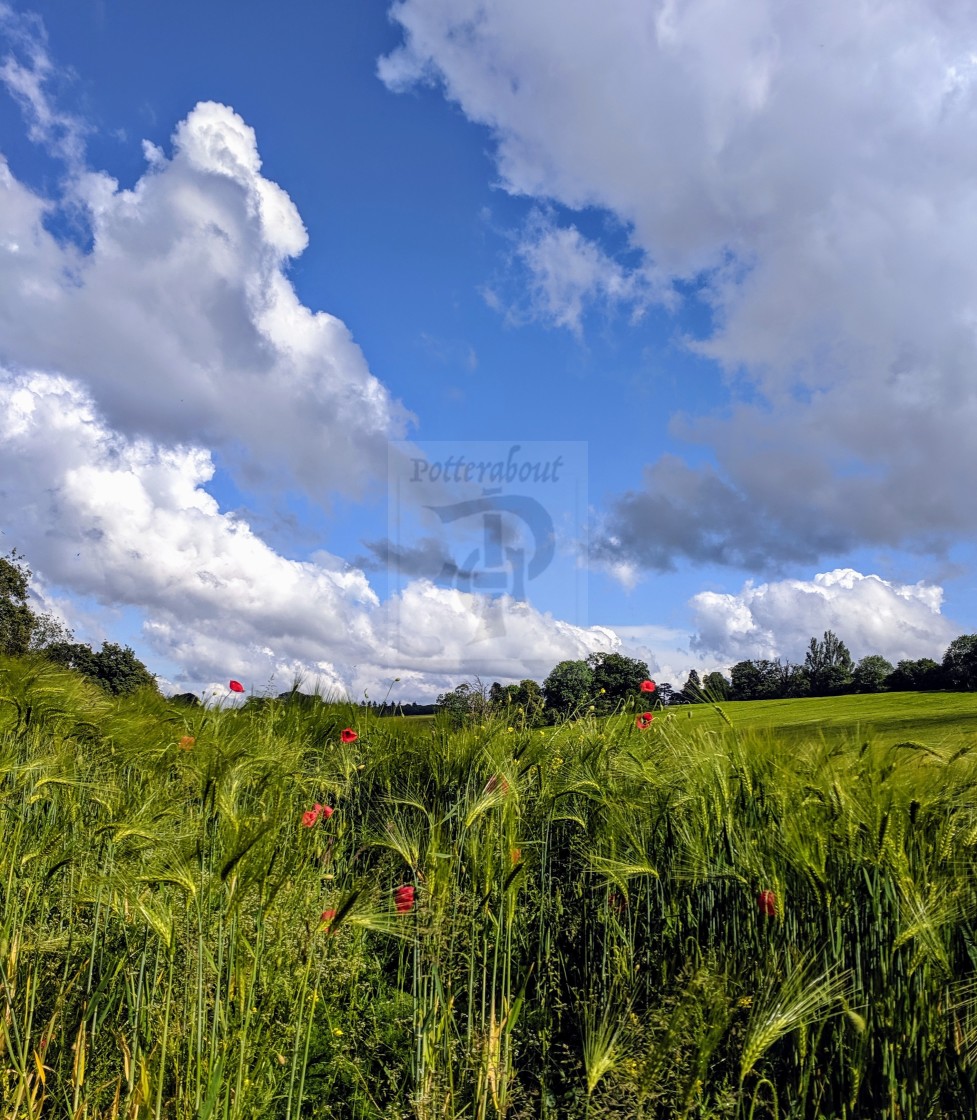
(607, 682)
(25, 631)
(828, 669)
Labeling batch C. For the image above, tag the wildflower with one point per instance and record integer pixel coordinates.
(515, 855)
(337, 1032)
(309, 817)
(643, 721)
(404, 899)
(496, 782)
(186, 742)
(235, 686)
(767, 903)
(326, 810)
(648, 686)
(348, 735)
(327, 916)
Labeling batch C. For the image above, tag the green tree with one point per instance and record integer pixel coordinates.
(568, 688)
(755, 680)
(465, 704)
(529, 698)
(828, 665)
(922, 675)
(716, 687)
(871, 673)
(960, 663)
(23, 630)
(692, 692)
(620, 678)
(114, 668)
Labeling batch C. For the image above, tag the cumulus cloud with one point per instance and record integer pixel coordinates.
(169, 333)
(182, 322)
(128, 522)
(809, 170)
(778, 619)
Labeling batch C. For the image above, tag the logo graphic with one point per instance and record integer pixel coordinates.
(503, 522)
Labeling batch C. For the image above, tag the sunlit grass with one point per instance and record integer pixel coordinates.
(561, 922)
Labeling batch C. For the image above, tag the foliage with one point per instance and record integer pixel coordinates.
(828, 665)
(716, 687)
(692, 692)
(871, 674)
(114, 668)
(568, 689)
(960, 663)
(463, 705)
(616, 680)
(916, 676)
(22, 629)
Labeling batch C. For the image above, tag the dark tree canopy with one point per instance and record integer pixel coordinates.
(692, 692)
(716, 687)
(922, 675)
(871, 674)
(960, 663)
(620, 678)
(569, 688)
(22, 629)
(114, 668)
(828, 665)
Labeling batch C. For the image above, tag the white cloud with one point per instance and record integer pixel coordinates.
(128, 522)
(778, 619)
(182, 322)
(176, 333)
(811, 169)
(26, 71)
(568, 272)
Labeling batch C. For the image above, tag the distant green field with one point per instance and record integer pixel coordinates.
(941, 720)
(936, 719)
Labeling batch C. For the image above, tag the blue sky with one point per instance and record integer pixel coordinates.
(244, 256)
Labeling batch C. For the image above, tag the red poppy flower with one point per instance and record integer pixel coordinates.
(327, 917)
(767, 903)
(235, 686)
(186, 742)
(648, 686)
(326, 810)
(348, 735)
(404, 899)
(643, 721)
(515, 855)
(310, 816)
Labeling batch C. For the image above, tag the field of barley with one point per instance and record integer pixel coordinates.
(767, 910)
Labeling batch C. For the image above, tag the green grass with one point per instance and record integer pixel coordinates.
(585, 938)
(938, 719)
